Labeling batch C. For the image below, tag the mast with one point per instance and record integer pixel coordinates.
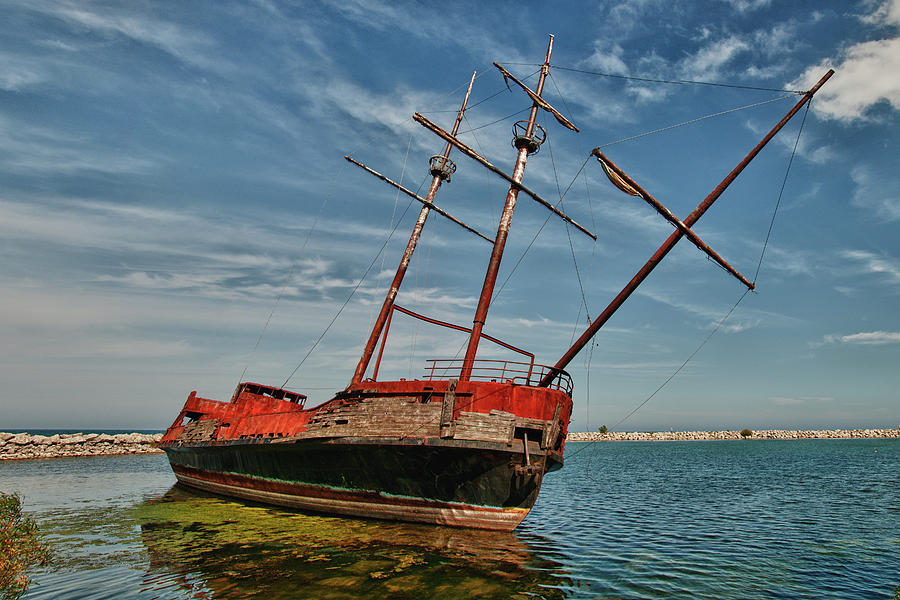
(526, 143)
(441, 168)
(674, 238)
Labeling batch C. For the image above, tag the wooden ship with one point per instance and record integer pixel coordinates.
(466, 445)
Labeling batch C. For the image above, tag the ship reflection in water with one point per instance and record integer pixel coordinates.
(210, 547)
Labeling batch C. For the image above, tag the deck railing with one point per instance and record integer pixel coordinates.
(521, 373)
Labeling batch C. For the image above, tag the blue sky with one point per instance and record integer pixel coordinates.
(169, 169)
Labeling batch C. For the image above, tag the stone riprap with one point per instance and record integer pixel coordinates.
(766, 434)
(24, 445)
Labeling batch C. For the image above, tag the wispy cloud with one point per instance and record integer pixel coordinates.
(708, 61)
(748, 5)
(189, 46)
(876, 191)
(20, 73)
(885, 268)
(865, 338)
(797, 401)
(32, 148)
(712, 317)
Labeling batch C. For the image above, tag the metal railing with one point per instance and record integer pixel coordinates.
(521, 373)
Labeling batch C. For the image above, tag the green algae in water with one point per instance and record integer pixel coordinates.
(238, 550)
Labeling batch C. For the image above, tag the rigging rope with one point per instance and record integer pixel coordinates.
(718, 114)
(509, 116)
(686, 361)
(780, 193)
(353, 291)
(290, 274)
(672, 376)
(677, 81)
(483, 100)
(563, 194)
(758, 266)
(568, 232)
(393, 215)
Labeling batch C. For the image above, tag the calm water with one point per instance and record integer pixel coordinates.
(736, 519)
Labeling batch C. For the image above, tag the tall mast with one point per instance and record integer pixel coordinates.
(440, 168)
(526, 144)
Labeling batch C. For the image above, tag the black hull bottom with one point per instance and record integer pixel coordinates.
(472, 484)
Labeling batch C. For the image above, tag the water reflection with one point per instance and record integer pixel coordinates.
(212, 547)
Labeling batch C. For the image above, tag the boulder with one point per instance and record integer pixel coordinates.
(68, 440)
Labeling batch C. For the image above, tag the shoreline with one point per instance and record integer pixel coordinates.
(762, 434)
(17, 446)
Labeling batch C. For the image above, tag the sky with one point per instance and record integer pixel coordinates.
(176, 212)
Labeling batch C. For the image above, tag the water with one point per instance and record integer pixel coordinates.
(734, 519)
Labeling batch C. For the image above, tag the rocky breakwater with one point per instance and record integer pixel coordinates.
(766, 434)
(24, 445)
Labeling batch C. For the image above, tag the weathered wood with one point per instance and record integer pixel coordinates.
(198, 431)
(551, 432)
(447, 407)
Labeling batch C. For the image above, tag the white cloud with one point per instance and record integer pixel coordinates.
(886, 13)
(867, 74)
(866, 338)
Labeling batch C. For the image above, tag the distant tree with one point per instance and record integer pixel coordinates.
(602, 429)
(745, 433)
(21, 547)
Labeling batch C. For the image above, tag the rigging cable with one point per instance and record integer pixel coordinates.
(482, 101)
(783, 184)
(290, 274)
(678, 81)
(626, 140)
(558, 191)
(686, 361)
(590, 355)
(718, 114)
(313, 227)
(568, 232)
(758, 266)
(393, 216)
(355, 288)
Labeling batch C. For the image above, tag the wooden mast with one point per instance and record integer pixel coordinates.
(386, 308)
(490, 278)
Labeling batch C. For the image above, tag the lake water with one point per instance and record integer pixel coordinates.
(733, 519)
